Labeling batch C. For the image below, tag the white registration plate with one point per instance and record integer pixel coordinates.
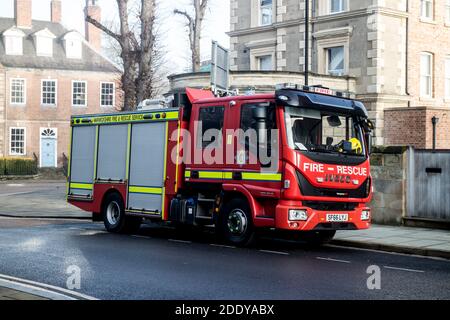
(337, 217)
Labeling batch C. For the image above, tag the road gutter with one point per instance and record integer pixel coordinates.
(393, 248)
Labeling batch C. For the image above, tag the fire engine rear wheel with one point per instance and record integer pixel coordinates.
(114, 218)
(235, 223)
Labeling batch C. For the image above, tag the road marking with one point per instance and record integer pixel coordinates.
(41, 289)
(179, 241)
(91, 232)
(333, 260)
(15, 185)
(140, 237)
(221, 246)
(276, 252)
(404, 269)
(16, 193)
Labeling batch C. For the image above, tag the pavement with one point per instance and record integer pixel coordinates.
(12, 288)
(37, 199)
(410, 240)
(11, 294)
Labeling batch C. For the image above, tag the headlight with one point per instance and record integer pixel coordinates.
(298, 215)
(365, 215)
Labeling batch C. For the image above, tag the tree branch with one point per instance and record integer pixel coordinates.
(185, 14)
(103, 28)
(203, 5)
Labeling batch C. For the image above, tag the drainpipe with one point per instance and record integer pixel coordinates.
(307, 42)
(6, 136)
(434, 121)
(407, 54)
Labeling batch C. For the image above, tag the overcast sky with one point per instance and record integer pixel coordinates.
(172, 28)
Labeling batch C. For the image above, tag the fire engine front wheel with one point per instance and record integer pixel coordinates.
(235, 223)
(114, 218)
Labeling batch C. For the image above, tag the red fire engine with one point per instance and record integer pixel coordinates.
(305, 169)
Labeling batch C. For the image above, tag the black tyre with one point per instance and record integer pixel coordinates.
(318, 238)
(114, 218)
(235, 223)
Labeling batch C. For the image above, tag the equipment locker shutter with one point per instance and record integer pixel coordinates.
(147, 158)
(82, 162)
(112, 152)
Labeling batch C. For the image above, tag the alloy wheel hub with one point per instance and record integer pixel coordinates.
(237, 222)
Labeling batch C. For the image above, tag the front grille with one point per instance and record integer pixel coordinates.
(307, 189)
(330, 206)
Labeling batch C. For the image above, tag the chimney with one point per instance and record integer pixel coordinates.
(22, 13)
(55, 9)
(93, 34)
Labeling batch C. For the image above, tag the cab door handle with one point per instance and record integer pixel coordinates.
(195, 175)
(237, 175)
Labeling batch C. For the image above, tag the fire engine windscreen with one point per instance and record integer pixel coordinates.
(311, 130)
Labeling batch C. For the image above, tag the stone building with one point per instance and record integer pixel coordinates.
(397, 52)
(47, 74)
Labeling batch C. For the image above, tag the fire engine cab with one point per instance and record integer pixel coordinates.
(296, 159)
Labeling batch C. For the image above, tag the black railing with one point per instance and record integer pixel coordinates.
(65, 163)
(18, 166)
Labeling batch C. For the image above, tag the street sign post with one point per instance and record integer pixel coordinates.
(219, 68)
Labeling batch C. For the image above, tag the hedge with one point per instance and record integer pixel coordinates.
(18, 166)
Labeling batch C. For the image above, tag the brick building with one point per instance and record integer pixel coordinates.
(397, 52)
(428, 82)
(47, 74)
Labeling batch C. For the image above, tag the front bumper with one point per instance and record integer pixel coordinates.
(317, 219)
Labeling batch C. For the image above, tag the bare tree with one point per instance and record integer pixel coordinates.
(194, 24)
(137, 50)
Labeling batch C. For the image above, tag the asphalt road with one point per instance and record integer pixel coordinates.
(159, 263)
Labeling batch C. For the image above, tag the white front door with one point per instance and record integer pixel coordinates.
(49, 140)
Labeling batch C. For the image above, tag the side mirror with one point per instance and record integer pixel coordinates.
(369, 140)
(367, 124)
(259, 113)
(334, 121)
(260, 116)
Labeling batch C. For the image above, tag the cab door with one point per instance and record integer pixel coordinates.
(256, 147)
